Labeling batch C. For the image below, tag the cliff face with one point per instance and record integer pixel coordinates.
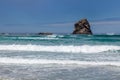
(82, 27)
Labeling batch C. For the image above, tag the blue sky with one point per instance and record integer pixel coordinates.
(58, 16)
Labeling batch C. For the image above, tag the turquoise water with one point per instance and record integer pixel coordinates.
(60, 57)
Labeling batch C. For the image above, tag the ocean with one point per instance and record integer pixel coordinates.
(59, 57)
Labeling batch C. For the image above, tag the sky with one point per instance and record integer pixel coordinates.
(58, 16)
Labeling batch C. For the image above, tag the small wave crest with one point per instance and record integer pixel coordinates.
(110, 34)
(38, 38)
(46, 37)
(61, 48)
(63, 62)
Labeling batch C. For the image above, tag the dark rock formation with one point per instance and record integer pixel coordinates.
(45, 33)
(82, 27)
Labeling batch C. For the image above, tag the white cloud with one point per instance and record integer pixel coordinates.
(106, 23)
(96, 23)
(58, 24)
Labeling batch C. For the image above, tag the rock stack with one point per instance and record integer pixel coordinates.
(82, 27)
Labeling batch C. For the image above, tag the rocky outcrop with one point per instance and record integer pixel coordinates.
(45, 33)
(82, 27)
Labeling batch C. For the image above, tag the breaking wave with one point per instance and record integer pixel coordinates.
(62, 48)
(63, 62)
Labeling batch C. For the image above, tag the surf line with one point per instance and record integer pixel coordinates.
(61, 62)
(61, 48)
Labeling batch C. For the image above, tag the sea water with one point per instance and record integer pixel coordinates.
(59, 57)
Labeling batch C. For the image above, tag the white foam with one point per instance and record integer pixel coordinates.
(63, 62)
(53, 36)
(61, 48)
(38, 38)
(110, 33)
